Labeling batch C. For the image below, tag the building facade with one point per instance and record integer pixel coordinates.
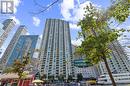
(80, 63)
(119, 62)
(25, 44)
(6, 26)
(1, 29)
(87, 69)
(20, 31)
(87, 72)
(56, 51)
(123, 79)
(125, 42)
(35, 61)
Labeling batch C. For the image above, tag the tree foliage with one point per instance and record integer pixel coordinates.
(51, 78)
(97, 33)
(18, 66)
(120, 10)
(61, 77)
(70, 77)
(8, 70)
(43, 77)
(79, 77)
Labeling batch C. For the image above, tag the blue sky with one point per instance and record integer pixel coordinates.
(25, 7)
(69, 10)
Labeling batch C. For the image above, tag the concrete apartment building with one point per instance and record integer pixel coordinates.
(56, 51)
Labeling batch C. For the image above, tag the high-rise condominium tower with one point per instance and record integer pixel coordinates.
(119, 62)
(20, 31)
(1, 29)
(56, 50)
(6, 27)
(25, 44)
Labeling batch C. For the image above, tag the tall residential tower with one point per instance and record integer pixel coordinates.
(20, 31)
(56, 51)
(5, 28)
(1, 29)
(119, 62)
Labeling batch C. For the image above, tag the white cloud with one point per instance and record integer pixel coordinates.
(27, 33)
(66, 6)
(74, 26)
(78, 12)
(16, 4)
(36, 21)
(77, 42)
(78, 2)
(15, 19)
(73, 11)
(128, 27)
(40, 36)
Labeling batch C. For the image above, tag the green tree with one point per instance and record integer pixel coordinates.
(70, 77)
(97, 33)
(51, 78)
(61, 77)
(8, 70)
(19, 66)
(79, 77)
(43, 77)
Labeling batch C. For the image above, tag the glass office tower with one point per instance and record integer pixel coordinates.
(25, 44)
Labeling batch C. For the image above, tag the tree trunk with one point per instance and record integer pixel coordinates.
(105, 60)
(109, 71)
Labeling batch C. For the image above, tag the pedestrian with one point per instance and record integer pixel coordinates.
(78, 84)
